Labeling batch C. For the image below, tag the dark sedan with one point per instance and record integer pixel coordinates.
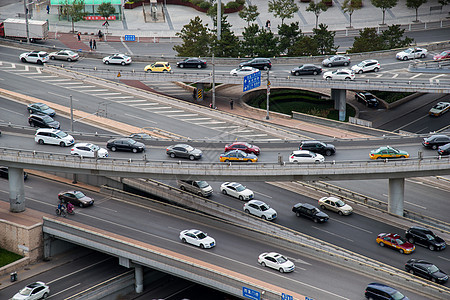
(435, 141)
(192, 63)
(43, 121)
(425, 237)
(40, 108)
(444, 150)
(76, 198)
(258, 63)
(426, 270)
(367, 98)
(184, 151)
(125, 144)
(4, 173)
(310, 211)
(306, 69)
(317, 147)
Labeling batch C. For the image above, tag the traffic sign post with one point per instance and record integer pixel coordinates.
(130, 38)
(250, 293)
(252, 81)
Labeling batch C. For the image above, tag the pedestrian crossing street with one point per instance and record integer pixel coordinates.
(227, 130)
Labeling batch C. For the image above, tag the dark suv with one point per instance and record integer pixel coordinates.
(317, 147)
(367, 98)
(425, 237)
(42, 121)
(435, 141)
(379, 291)
(310, 211)
(259, 63)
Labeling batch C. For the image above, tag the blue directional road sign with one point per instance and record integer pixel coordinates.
(130, 38)
(252, 81)
(286, 297)
(249, 293)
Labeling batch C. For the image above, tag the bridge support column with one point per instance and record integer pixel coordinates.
(396, 195)
(16, 190)
(47, 246)
(339, 97)
(139, 277)
(199, 92)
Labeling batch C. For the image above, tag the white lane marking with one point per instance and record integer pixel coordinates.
(126, 46)
(437, 76)
(57, 80)
(79, 270)
(69, 288)
(410, 203)
(444, 258)
(301, 261)
(267, 196)
(249, 136)
(329, 232)
(395, 76)
(182, 115)
(195, 119)
(68, 83)
(132, 101)
(146, 120)
(153, 108)
(106, 94)
(425, 116)
(119, 97)
(61, 96)
(356, 227)
(89, 91)
(12, 111)
(209, 123)
(415, 76)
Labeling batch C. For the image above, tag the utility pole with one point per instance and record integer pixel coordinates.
(71, 113)
(26, 20)
(219, 23)
(268, 94)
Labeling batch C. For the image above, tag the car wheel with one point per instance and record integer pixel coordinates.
(241, 198)
(315, 73)
(191, 157)
(405, 58)
(202, 246)
(371, 298)
(181, 66)
(165, 71)
(199, 66)
(328, 78)
(199, 194)
(106, 62)
(263, 217)
(62, 144)
(45, 296)
(422, 56)
(263, 264)
(183, 240)
(434, 147)
(224, 192)
(376, 70)
(182, 188)
(81, 205)
(30, 110)
(315, 220)
(265, 67)
(227, 160)
(402, 156)
(379, 157)
(172, 155)
(401, 251)
(113, 149)
(330, 65)
(346, 64)
(297, 214)
(322, 207)
(39, 62)
(411, 271)
(135, 150)
(297, 73)
(247, 211)
(52, 57)
(281, 270)
(316, 162)
(32, 124)
(69, 59)
(431, 247)
(381, 244)
(411, 240)
(23, 59)
(122, 63)
(347, 78)
(41, 142)
(434, 280)
(360, 71)
(328, 152)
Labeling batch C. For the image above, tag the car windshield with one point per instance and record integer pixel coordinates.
(438, 106)
(47, 118)
(340, 203)
(408, 50)
(131, 142)
(202, 184)
(201, 236)
(95, 147)
(316, 210)
(25, 291)
(264, 207)
(397, 295)
(44, 106)
(433, 269)
(281, 260)
(240, 188)
(79, 195)
(361, 64)
(430, 237)
(189, 148)
(444, 53)
(400, 241)
(61, 134)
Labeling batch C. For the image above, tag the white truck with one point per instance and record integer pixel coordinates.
(17, 29)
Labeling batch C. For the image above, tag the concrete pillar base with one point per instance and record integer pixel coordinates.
(339, 97)
(139, 277)
(396, 195)
(16, 190)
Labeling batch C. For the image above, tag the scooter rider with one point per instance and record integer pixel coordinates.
(70, 207)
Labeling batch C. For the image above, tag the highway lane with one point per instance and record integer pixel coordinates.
(312, 277)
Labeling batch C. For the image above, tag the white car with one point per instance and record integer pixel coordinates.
(119, 59)
(367, 66)
(68, 55)
(54, 137)
(243, 71)
(260, 209)
(439, 109)
(88, 150)
(276, 261)
(197, 238)
(236, 190)
(37, 57)
(336, 205)
(411, 53)
(339, 74)
(305, 156)
(37, 290)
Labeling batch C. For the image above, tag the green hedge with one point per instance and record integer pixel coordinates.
(390, 97)
(7, 257)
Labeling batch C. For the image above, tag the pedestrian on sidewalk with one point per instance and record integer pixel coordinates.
(90, 44)
(79, 36)
(48, 9)
(231, 104)
(94, 44)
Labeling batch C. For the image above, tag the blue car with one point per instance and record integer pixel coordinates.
(40, 108)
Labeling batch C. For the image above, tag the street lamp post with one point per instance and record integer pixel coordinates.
(71, 113)
(219, 23)
(268, 95)
(26, 20)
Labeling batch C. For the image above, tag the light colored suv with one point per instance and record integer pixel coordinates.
(260, 209)
(367, 66)
(201, 188)
(54, 137)
(37, 57)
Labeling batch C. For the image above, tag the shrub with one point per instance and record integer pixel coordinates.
(232, 5)
(196, 2)
(204, 5)
(241, 2)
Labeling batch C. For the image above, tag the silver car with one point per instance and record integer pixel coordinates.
(336, 60)
(68, 55)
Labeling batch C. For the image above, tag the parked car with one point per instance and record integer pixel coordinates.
(184, 151)
(236, 190)
(444, 150)
(5, 174)
(443, 55)
(439, 109)
(336, 205)
(336, 60)
(141, 136)
(42, 121)
(379, 291)
(276, 261)
(237, 156)
(118, 59)
(37, 57)
(192, 62)
(53, 137)
(159, 66)
(425, 237)
(125, 144)
(260, 209)
(367, 98)
(310, 211)
(36, 290)
(77, 198)
(40, 108)
(317, 147)
(198, 187)
(306, 69)
(426, 270)
(68, 55)
(258, 63)
(435, 141)
(197, 238)
(243, 71)
(305, 156)
(394, 241)
(88, 150)
(367, 66)
(339, 74)
(243, 146)
(387, 152)
(411, 53)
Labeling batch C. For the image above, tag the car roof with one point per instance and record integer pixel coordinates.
(310, 142)
(437, 135)
(301, 152)
(420, 228)
(369, 60)
(384, 287)
(257, 202)
(162, 62)
(48, 130)
(307, 205)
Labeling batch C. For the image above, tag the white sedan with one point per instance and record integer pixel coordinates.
(411, 53)
(197, 238)
(276, 261)
(120, 59)
(244, 71)
(36, 290)
(439, 109)
(305, 156)
(336, 205)
(339, 74)
(236, 190)
(88, 150)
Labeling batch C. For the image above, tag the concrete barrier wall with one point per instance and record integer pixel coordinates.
(22, 240)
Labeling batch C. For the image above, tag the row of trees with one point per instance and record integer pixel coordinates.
(74, 10)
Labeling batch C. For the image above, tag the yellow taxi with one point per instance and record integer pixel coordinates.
(158, 67)
(238, 155)
(387, 152)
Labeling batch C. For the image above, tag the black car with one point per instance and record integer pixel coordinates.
(185, 151)
(426, 270)
(367, 98)
(258, 63)
(435, 141)
(4, 173)
(310, 211)
(379, 291)
(425, 237)
(43, 121)
(192, 63)
(76, 198)
(125, 144)
(40, 108)
(306, 69)
(444, 150)
(317, 147)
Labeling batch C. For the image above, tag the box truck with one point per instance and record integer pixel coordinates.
(17, 29)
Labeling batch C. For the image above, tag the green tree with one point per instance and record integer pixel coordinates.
(249, 40)
(316, 8)
(415, 4)
(249, 14)
(392, 38)
(74, 11)
(325, 40)
(283, 9)
(368, 40)
(349, 6)
(305, 46)
(106, 9)
(212, 11)
(384, 5)
(266, 44)
(196, 39)
(288, 35)
(228, 46)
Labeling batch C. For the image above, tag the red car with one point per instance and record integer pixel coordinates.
(394, 240)
(243, 146)
(443, 55)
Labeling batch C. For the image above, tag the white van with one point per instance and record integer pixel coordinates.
(201, 188)
(53, 136)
